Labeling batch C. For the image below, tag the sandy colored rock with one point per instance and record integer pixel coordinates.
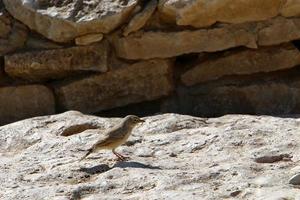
(57, 63)
(291, 8)
(278, 30)
(203, 13)
(145, 45)
(242, 62)
(89, 39)
(64, 20)
(20, 102)
(214, 159)
(141, 18)
(13, 34)
(162, 44)
(142, 81)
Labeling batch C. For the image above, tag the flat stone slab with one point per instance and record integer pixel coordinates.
(243, 62)
(57, 63)
(164, 44)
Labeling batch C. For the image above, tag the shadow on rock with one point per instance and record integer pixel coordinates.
(134, 165)
(98, 169)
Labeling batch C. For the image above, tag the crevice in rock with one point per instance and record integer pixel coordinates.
(75, 129)
(297, 44)
(139, 109)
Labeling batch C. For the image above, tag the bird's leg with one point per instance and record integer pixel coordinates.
(120, 157)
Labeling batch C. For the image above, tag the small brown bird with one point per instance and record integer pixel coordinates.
(116, 136)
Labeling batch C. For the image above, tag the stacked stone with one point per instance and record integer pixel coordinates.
(91, 56)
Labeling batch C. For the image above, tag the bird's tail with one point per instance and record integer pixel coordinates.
(88, 153)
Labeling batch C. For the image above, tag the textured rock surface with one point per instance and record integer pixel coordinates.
(20, 102)
(140, 19)
(13, 34)
(172, 156)
(64, 20)
(142, 81)
(150, 44)
(239, 62)
(57, 63)
(201, 13)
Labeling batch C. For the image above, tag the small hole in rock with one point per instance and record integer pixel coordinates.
(72, 130)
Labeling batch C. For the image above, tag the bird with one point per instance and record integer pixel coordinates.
(115, 136)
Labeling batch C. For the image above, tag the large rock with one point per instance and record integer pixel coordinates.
(172, 156)
(13, 34)
(162, 44)
(142, 81)
(57, 63)
(201, 13)
(20, 102)
(65, 20)
(242, 62)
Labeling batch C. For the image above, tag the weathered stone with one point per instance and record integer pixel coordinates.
(64, 20)
(241, 62)
(291, 8)
(12, 33)
(89, 39)
(278, 30)
(37, 162)
(142, 81)
(145, 45)
(140, 19)
(57, 63)
(159, 44)
(20, 102)
(201, 13)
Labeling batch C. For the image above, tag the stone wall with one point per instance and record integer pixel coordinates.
(199, 57)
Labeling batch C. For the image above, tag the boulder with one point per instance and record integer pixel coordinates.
(57, 63)
(64, 20)
(141, 81)
(20, 102)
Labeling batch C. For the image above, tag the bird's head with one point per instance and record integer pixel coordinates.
(133, 120)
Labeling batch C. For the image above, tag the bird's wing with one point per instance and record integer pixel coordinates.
(110, 136)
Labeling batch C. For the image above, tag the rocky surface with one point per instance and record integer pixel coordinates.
(20, 102)
(57, 63)
(13, 34)
(172, 156)
(65, 20)
(161, 44)
(201, 13)
(243, 62)
(200, 57)
(142, 81)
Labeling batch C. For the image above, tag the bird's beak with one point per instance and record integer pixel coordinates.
(141, 121)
